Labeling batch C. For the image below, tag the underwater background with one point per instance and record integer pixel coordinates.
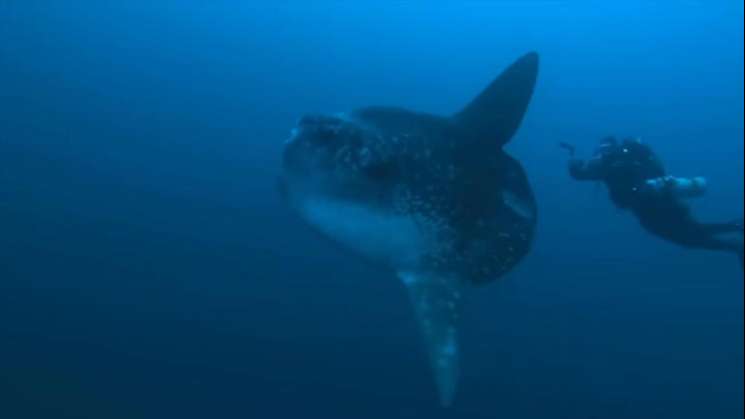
(148, 268)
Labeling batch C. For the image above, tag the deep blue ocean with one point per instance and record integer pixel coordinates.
(149, 268)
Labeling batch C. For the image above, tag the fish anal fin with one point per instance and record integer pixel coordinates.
(437, 304)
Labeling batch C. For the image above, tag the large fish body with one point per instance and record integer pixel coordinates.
(434, 199)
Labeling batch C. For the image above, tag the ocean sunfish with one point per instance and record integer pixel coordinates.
(434, 199)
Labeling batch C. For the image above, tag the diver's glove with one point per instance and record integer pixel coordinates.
(571, 149)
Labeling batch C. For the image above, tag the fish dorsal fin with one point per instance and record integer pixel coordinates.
(437, 304)
(495, 115)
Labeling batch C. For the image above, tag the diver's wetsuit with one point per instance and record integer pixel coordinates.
(625, 168)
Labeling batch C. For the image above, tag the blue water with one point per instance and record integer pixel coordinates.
(148, 268)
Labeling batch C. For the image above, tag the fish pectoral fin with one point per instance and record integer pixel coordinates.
(437, 305)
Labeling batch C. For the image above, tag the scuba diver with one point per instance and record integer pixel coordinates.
(637, 181)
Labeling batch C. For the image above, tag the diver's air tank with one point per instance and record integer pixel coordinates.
(678, 186)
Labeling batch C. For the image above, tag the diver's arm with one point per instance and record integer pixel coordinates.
(589, 170)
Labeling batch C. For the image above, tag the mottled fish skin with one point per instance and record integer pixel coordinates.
(467, 202)
(434, 199)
